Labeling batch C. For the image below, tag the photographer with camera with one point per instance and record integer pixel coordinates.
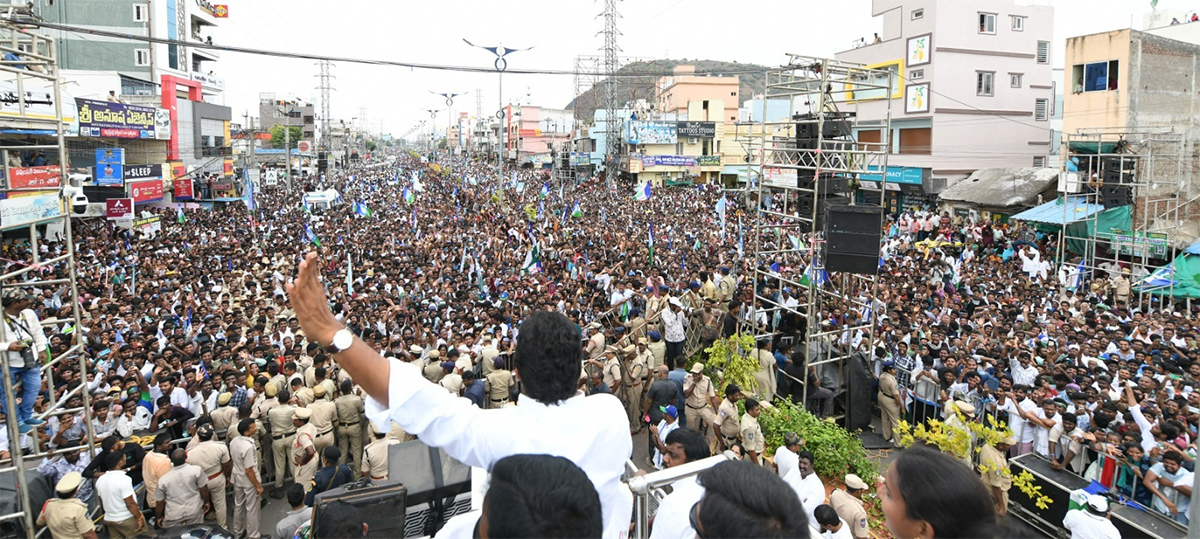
(25, 342)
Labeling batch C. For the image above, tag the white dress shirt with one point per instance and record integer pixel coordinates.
(810, 490)
(673, 520)
(479, 438)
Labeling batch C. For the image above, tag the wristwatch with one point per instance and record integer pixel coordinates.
(341, 341)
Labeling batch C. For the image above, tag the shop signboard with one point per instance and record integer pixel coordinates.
(696, 129)
(118, 208)
(579, 159)
(109, 165)
(22, 210)
(143, 172)
(909, 175)
(668, 161)
(110, 119)
(652, 133)
(184, 189)
(148, 227)
(1140, 243)
(48, 177)
(147, 191)
(709, 160)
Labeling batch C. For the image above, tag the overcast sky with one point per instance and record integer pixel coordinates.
(432, 32)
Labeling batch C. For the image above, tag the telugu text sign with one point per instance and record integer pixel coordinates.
(48, 177)
(22, 210)
(148, 191)
(118, 120)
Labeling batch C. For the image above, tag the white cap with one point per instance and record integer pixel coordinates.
(1097, 503)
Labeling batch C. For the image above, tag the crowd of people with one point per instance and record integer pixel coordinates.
(213, 379)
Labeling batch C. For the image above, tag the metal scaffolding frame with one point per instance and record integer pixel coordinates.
(35, 74)
(1151, 165)
(793, 179)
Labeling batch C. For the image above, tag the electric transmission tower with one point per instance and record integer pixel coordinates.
(612, 126)
(326, 88)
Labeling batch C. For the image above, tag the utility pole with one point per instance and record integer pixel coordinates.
(326, 88)
(612, 129)
(287, 147)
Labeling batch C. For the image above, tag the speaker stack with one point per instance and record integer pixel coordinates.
(1116, 175)
(852, 235)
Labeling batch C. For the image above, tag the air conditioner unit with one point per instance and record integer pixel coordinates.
(693, 140)
(1069, 182)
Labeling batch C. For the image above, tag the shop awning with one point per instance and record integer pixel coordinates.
(1002, 187)
(1060, 212)
(1092, 147)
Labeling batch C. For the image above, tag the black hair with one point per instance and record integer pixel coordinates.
(468, 376)
(338, 519)
(751, 404)
(162, 438)
(547, 356)
(109, 443)
(806, 454)
(938, 489)
(113, 460)
(695, 446)
(346, 387)
(284, 395)
(825, 515)
(541, 496)
(332, 454)
(295, 495)
(745, 500)
(244, 425)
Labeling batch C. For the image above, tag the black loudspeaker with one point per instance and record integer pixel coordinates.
(380, 506)
(1112, 196)
(858, 393)
(852, 236)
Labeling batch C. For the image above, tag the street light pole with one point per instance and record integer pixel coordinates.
(449, 112)
(500, 65)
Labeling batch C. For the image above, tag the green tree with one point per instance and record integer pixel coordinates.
(371, 146)
(279, 138)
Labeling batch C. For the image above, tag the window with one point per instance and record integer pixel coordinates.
(918, 14)
(1095, 77)
(916, 141)
(1018, 23)
(1014, 79)
(1041, 109)
(1039, 161)
(985, 83)
(1043, 52)
(917, 74)
(141, 57)
(140, 12)
(987, 23)
(678, 148)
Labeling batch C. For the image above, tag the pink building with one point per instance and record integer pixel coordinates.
(533, 131)
(974, 87)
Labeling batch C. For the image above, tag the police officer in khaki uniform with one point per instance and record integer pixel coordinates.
(304, 395)
(727, 423)
(752, 434)
(213, 459)
(304, 449)
(247, 487)
(224, 416)
(271, 400)
(701, 399)
(350, 412)
(66, 515)
(635, 386)
(283, 432)
(725, 289)
(324, 413)
(433, 371)
(499, 384)
(849, 507)
(375, 456)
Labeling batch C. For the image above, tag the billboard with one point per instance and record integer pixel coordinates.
(143, 172)
(184, 189)
(147, 191)
(652, 133)
(668, 161)
(118, 208)
(22, 210)
(579, 159)
(109, 165)
(118, 120)
(49, 177)
(696, 129)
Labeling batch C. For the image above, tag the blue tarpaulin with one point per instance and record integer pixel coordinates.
(1060, 212)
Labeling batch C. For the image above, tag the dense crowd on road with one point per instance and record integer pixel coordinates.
(207, 385)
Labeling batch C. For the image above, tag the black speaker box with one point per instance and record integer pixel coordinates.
(1112, 196)
(852, 236)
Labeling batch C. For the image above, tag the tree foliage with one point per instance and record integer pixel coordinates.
(279, 138)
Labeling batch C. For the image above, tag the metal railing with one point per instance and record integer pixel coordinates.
(648, 488)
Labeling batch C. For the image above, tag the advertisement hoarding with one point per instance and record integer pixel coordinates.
(652, 133)
(118, 120)
(143, 172)
(696, 129)
(184, 189)
(49, 177)
(109, 165)
(148, 191)
(118, 208)
(668, 161)
(21, 210)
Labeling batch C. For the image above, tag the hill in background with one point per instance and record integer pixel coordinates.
(632, 88)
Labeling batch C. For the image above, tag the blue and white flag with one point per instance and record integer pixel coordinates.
(721, 205)
(545, 189)
(643, 192)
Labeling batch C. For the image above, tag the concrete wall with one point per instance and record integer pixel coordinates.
(1105, 109)
(1162, 78)
(677, 91)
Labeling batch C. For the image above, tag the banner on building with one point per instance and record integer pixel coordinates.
(110, 163)
(708, 160)
(228, 168)
(696, 129)
(118, 120)
(184, 189)
(23, 210)
(49, 177)
(143, 172)
(148, 191)
(652, 133)
(118, 208)
(909, 175)
(222, 185)
(148, 227)
(668, 161)
(579, 159)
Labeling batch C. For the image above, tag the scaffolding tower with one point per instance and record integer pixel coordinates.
(1108, 169)
(805, 161)
(31, 119)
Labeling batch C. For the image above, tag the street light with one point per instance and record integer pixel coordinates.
(449, 111)
(501, 65)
